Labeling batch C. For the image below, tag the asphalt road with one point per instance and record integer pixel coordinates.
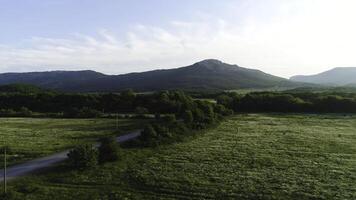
(40, 163)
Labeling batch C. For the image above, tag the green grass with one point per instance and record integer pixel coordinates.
(33, 137)
(254, 156)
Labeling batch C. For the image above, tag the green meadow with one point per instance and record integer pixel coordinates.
(248, 156)
(30, 138)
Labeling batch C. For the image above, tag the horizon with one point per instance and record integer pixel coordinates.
(282, 38)
(167, 68)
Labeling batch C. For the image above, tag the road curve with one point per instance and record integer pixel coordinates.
(40, 163)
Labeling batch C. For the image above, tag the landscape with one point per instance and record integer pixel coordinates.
(88, 118)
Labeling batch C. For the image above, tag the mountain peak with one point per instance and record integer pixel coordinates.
(210, 61)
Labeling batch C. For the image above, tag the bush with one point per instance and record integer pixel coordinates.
(188, 117)
(169, 118)
(7, 113)
(25, 112)
(108, 150)
(12, 195)
(141, 110)
(149, 136)
(89, 113)
(83, 156)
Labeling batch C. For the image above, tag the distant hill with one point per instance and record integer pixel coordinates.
(204, 75)
(325, 89)
(342, 76)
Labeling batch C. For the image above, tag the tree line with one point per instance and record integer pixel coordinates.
(86, 105)
(289, 102)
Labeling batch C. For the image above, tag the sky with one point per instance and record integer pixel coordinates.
(280, 37)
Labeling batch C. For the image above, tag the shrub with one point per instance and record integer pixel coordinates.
(149, 136)
(83, 156)
(188, 117)
(141, 110)
(162, 131)
(12, 195)
(25, 112)
(169, 118)
(108, 150)
(89, 113)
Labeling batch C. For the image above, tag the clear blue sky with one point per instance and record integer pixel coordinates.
(57, 18)
(119, 36)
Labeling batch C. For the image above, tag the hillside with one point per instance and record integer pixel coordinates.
(341, 76)
(204, 75)
(60, 80)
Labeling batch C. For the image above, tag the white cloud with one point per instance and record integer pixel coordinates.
(279, 37)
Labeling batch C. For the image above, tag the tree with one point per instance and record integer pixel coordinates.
(83, 156)
(109, 150)
(148, 133)
(141, 110)
(188, 117)
(25, 112)
(149, 136)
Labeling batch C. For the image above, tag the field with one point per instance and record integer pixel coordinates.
(33, 137)
(252, 156)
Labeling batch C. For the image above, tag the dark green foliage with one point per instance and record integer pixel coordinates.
(168, 119)
(141, 110)
(25, 112)
(83, 156)
(222, 110)
(21, 88)
(22, 112)
(293, 102)
(88, 113)
(12, 195)
(109, 150)
(149, 136)
(188, 117)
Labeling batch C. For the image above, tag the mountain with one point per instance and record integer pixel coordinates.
(205, 75)
(59, 80)
(341, 76)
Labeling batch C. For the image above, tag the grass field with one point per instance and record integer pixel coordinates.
(33, 137)
(254, 156)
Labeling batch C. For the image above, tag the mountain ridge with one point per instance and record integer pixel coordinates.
(339, 76)
(210, 74)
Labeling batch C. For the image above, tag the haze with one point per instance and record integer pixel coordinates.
(283, 38)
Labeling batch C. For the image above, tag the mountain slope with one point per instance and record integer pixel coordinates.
(204, 75)
(52, 80)
(336, 77)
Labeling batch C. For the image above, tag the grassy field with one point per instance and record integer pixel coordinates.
(254, 156)
(33, 137)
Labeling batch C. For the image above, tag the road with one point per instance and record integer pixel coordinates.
(40, 163)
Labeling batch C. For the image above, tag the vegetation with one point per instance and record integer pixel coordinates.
(21, 88)
(109, 151)
(249, 156)
(83, 157)
(34, 137)
(290, 102)
(186, 116)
